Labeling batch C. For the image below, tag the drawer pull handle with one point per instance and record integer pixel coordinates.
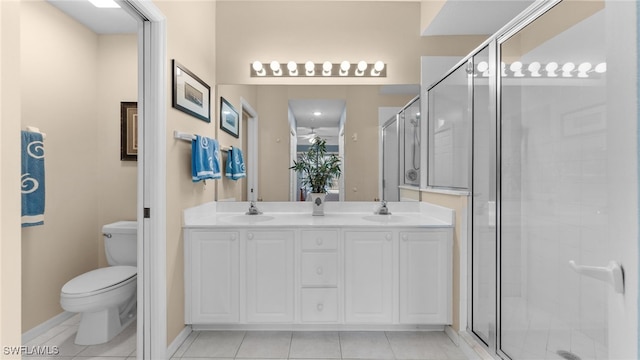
(233, 237)
(319, 270)
(320, 307)
(388, 237)
(405, 237)
(319, 241)
(250, 236)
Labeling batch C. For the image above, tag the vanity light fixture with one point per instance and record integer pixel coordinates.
(534, 69)
(516, 68)
(377, 68)
(344, 68)
(551, 69)
(324, 69)
(258, 68)
(275, 68)
(310, 67)
(105, 4)
(601, 68)
(293, 68)
(567, 68)
(583, 69)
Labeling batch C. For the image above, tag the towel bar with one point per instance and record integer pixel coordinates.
(190, 137)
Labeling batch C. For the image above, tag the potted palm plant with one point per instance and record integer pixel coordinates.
(318, 172)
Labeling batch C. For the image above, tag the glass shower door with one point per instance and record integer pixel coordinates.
(390, 156)
(554, 199)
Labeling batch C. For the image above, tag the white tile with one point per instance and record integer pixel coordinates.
(365, 345)
(265, 344)
(100, 358)
(315, 345)
(65, 342)
(415, 345)
(221, 344)
(186, 344)
(123, 344)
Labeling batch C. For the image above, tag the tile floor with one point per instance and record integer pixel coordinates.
(381, 345)
(219, 345)
(121, 347)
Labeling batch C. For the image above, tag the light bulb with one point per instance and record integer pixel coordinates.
(483, 66)
(516, 68)
(551, 69)
(567, 68)
(292, 67)
(275, 66)
(326, 68)
(583, 69)
(345, 65)
(309, 66)
(534, 69)
(258, 68)
(601, 68)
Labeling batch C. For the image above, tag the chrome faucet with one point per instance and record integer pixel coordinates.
(383, 209)
(253, 210)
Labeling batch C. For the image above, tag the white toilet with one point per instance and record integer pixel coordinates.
(106, 297)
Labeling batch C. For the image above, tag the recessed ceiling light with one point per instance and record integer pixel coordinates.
(317, 113)
(104, 4)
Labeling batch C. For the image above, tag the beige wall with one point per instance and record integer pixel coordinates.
(429, 9)
(459, 204)
(191, 41)
(10, 244)
(327, 30)
(118, 81)
(74, 96)
(226, 188)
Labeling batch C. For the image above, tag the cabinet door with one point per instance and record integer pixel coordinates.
(270, 267)
(214, 292)
(369, 276)
(425, 277)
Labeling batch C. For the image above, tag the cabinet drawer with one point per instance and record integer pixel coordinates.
(319, 269)
(319, 305)
(320, 240)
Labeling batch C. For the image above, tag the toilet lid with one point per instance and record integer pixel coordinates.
(99, 279)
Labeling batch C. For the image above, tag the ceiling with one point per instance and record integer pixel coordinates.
(101, 21)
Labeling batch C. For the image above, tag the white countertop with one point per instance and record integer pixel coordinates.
(298, 214)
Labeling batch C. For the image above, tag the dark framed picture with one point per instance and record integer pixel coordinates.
(229, 118)
(190, 94)
(129, 131)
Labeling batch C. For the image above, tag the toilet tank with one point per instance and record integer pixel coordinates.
(121, 243)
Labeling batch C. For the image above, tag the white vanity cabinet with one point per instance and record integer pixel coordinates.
(212, 281)
(425, 277)
(318, 277)
(270, 276)
(369, 269)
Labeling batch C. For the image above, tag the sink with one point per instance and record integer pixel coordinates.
(245, 219)
(385, 219)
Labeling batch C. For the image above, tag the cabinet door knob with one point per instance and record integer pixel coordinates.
(233, 236)
(405, 237)
(250, 236)
(320, 307)
(319, 270)
(388, 236)
(319, 241)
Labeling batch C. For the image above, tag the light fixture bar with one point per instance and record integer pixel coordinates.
(320, 69)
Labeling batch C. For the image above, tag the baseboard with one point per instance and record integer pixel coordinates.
(472, 348)
(175, 344)
(453, 335)
(46, 326)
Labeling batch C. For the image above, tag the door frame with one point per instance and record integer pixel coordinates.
(151, 183)
(252, 149)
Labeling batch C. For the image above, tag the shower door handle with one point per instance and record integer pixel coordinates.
(612, 273)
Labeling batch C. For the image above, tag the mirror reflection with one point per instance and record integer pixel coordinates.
(349, 117)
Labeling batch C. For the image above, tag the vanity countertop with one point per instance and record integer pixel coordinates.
(298, 214)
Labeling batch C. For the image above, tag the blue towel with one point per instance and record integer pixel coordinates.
(205, 159)
(235, 164)
(32, 179)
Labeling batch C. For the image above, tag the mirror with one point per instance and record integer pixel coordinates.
(282, 128)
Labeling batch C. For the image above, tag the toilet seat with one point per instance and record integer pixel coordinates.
(99, 281)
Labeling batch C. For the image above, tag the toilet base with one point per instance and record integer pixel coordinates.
(102, 326)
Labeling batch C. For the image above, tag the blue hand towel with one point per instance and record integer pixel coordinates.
(235, 164)
(32, 179)
(205, 159)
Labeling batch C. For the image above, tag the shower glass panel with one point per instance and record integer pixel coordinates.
(390, 168)
(450, 131)
(554, 185)
(483, 322)
(411, 143)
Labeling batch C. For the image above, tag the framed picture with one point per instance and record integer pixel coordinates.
(129, 131)
(229, 118)
(190, 94)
